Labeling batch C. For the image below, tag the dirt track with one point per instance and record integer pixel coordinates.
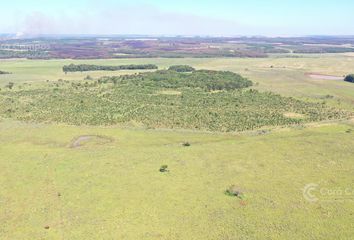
(323, 76)
(80, 140)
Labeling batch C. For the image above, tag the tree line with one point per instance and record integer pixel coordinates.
(203, 79)
(91, 67)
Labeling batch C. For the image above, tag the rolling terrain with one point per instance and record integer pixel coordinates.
(68, 174)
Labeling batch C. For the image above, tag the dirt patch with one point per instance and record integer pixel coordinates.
(83, 140)
(323, 76)
(294, 115)
(169, 92)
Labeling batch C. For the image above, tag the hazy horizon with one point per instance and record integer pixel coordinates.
(156, 17)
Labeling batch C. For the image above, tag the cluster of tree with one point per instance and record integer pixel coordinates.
(89, 67)
(349, 78)
(202, 79)
(3, 72)
(181, 68)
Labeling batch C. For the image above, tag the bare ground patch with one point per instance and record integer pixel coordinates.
(324, 76)
(83, 140)
(294, 115)
(169, 92)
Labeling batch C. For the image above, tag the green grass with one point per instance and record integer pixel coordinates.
(115, 190)
(109, 186)
(287, 77)
(138, 99)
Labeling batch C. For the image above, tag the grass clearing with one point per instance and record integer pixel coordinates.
(116, 191)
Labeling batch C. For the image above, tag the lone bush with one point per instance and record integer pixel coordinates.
(233, 191)
(163, 168)
(349, 78)
(10, 85)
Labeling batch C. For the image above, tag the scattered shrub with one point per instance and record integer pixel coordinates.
(132, 98)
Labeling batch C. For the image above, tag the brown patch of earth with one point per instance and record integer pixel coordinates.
(169, 92)
(90, 139)
(324, 76)
(294, 115)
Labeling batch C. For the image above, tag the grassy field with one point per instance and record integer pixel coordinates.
(287, 76)
(205, 100)
(113, 189)
(62, 181)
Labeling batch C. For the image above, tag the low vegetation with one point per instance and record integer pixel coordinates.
(10, 85)
(234, 191)
(208, 100)
(89, 67)
(97, 182)
(163, 168)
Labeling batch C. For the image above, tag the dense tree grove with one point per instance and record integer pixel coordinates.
(89, 67)
(203, 79)
(349, 78)
(3, 72)
(181, 68)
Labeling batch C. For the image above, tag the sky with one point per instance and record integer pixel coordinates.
(183, 17)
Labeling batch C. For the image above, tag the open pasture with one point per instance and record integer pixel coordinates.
(61, 181)
(284, 74)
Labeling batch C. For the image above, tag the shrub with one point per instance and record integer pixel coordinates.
(163, 168)
(181, 68)
(233, 191)
(349, 78)
(88, 77)
(186, 144)
(10, 85)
